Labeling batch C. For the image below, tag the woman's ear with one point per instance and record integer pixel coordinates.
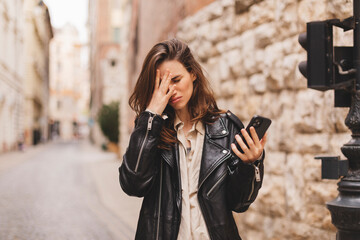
(193, 77)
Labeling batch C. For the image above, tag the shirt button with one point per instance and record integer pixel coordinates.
(223, 132)
(224, 151)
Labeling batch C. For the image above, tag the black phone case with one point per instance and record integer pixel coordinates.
(261, 125)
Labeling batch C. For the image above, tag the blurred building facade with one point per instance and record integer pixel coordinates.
(249, 52)
(108, 24)
(69, 85)
(11, 73)
(37, 36)
(25, 32)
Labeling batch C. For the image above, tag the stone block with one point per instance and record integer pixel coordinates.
(240, 98)
(271, 200)
(228, 18)
(227, 89)
(211, 67)
(187, 30)
(258, 83)
(203, 30)
(298, 82)
(272, 60)
(335, 120)
(293, 78)
(228, 3)
(318, 216)
(312, 168)
(235, 61)
(274, 162)
(263, 12)
(339, 8)
(214, 10)
(252, 234)
(265, 34)
(217, 31)
(206, 50)
(312, 143)
(281, 133)
(243, 5)
(294, 184)
(208, 13)
(286, 16)
(278, 105)
(224, 69)
(229, 44)
(308, 112)
(320, 192)
(291, 45)
(311, 10)
(241, 23)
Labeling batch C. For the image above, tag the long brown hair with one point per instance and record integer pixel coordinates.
(202, 105)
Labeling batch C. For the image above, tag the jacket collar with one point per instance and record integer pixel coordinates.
(217, 129)
(213, 153)
(213, 131)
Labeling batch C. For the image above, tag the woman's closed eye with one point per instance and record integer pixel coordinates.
(176, 79)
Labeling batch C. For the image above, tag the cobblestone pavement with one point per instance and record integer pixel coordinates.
(64, 191)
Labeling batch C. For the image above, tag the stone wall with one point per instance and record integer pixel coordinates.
(250, 52)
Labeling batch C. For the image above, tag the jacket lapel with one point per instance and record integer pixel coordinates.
(171, 157)
(213, 154)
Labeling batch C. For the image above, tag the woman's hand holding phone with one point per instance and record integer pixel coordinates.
(162, 92)
(254, 148)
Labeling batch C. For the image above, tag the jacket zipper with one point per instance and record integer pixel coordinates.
(256, 178)
(143, 143)
(216, 184)
(158, 221)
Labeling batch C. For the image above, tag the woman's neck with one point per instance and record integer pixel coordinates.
(184, 116)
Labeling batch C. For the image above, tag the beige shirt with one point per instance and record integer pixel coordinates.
(192, 224)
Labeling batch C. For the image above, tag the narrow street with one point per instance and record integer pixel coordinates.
(64, 191)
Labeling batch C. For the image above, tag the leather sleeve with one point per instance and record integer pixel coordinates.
(140, 166)
(242, 186)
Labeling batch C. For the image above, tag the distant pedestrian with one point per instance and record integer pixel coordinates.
(181, 156)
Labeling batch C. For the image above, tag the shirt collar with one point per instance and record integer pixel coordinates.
(178, 124)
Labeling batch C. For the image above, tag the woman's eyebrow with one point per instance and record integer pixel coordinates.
(173, 78)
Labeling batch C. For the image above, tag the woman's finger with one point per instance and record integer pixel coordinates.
(157, 79)
(263, 140)
(171, 92)
(167, 82)
(163, 80)
(255, 137)
(241, 143)
(248, 139)
(238, 153)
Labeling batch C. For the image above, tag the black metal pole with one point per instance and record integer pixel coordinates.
(356, 11)
(345, 209)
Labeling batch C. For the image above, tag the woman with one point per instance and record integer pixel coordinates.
(181, 156)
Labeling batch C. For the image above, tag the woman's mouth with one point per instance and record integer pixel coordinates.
(175, 100)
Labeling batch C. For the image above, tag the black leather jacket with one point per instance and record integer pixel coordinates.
(226, 184)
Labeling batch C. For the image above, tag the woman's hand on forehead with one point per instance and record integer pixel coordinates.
(162, 92)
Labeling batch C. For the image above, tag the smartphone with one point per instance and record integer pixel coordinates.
(261, 125)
